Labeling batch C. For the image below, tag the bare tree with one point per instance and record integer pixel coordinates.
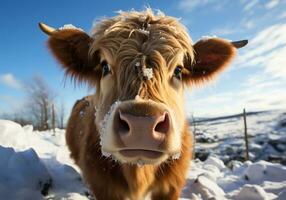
(61, 115)
(40, 99)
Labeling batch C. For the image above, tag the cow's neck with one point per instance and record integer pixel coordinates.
(139, 179)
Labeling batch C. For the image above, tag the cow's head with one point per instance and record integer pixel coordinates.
(139, 64)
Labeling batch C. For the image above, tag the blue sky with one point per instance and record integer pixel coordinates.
(256, 80)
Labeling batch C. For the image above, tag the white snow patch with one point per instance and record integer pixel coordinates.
(106, 154)
(206, 188)
(137, 64)
(32, 160)
(106, 119)
(148, 73)
(216, 162)
(70, 26)
(176, 156)
(28, 159)
(146, 32)
(138, 98)
(207, 37)
(265, 171)
(253, 192)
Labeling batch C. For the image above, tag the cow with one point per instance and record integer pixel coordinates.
(131, 139)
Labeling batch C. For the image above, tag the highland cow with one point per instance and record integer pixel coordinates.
(131, 138)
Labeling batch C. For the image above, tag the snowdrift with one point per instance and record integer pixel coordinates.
(36, 165)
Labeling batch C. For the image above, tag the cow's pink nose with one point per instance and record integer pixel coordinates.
(142, 132)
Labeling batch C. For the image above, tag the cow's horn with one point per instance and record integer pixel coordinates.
(240, 43)
(46, 29)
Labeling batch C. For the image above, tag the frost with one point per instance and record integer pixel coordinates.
(140, 163)
(69, 26)
(138, 98)
(176, 156)
(106, 154)
(148, 73)
(137, 64)
(144, 31)
(104, 122)
(207, 37)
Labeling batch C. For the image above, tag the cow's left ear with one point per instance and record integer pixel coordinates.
(70, 46)
(212, 56)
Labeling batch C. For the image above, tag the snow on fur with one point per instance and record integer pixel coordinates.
(148, 73)
(69, 26)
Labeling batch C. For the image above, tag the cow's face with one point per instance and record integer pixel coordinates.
(140, 64)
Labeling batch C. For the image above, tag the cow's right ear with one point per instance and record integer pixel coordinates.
(70, 46)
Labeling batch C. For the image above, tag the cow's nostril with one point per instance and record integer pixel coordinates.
(123, 126)
(163, 124)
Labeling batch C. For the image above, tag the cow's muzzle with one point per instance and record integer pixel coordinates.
(141, 135)
(142, 131)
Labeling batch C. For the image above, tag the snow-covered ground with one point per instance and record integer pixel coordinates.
(225, 137)
(36, 165)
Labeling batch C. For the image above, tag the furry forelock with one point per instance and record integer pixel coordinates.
(131, 34)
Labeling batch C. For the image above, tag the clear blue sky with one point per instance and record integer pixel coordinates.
(256, 80)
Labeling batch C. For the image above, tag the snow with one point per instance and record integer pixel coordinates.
(35, 172)
(148, 73)
(145, 32)
(69, 26)
(253, 192)
(225, 137)
(103, 124)
(215, 162)
(36, 165)
(207, 37)
(176, 156)
(211, 179)
(262, 171)
(137, 64)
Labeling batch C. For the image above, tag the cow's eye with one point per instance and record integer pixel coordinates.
(105, 68)
(178, 72)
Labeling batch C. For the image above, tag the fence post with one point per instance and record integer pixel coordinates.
(53, 118)
(245, 136)
(194, 124)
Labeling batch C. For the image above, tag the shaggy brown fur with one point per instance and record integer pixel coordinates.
(111, 180)
(155, 41)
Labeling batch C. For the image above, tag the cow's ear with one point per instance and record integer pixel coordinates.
(212, 56)
(70, 47)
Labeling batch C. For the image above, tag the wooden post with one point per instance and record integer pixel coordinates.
(53, 119)
(245, 136)
(194, 124)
